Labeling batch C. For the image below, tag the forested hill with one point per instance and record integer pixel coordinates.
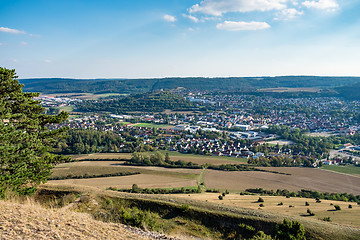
(144, 102)
(351, 92)
(131, 86)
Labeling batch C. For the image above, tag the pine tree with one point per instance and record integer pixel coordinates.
(25, 140)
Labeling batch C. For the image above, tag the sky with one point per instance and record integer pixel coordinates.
(179, 38)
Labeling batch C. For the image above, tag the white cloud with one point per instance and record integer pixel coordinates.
(219, 7)
(47, 61)
(10, 30)
(192, 18)
(242, 26)
(169, 18)
(287, 14)
(24, 43)
(322, 4)
(1, 44)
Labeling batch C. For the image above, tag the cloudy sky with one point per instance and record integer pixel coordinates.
(164, 38)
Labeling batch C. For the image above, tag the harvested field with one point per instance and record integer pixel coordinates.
(142, 180)
(347, 216)
(286, 89)
(174, 156)
(150, 177)
(281, 142)
(320, 134)
(102, 156)
(300, 178)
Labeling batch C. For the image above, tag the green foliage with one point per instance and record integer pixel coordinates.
(311, 213)
(146, 102)
(26, 142)
(261, 236)
(290, 230)
(221, 197)
(326, 219)
(61, 85)
(337, 207)
(85, 141)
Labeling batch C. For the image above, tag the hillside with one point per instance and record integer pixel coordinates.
(31, 221)
(131, 86)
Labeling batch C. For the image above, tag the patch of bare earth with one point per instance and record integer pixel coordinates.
(29, 221)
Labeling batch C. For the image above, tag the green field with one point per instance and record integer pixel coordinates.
(152, 125)
(350, 169)
(68, 109)
(197, 157)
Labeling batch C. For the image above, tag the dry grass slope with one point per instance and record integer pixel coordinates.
(30, 221)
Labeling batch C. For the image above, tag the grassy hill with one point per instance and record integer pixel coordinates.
(173, 216)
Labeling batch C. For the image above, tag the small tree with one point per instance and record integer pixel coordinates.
(337, 207)
(260, 199)
(350, 206)
(310, 212)
(290, 230)
(307, 204)
(26, 142)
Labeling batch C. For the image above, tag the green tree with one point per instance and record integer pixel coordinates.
(290, 230)
(26, 142)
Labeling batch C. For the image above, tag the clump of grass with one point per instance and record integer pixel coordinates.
(326, 219)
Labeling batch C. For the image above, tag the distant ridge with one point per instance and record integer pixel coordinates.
(131, 86)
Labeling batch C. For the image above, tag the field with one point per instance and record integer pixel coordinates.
(149, 177)
(351, 169)
(319, 134)
(300, 178)
(281, 142)
(174, 156)
(152, 125)
(286, 89)
(345, 216)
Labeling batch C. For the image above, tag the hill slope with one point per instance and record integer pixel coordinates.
(131, 86)
(25, 221)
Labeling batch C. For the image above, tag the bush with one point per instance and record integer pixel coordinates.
(350, 206)
(310, 212)
(337, 207)
(261, 205)
(290, 230)
(185, 207)
(260, 199)
(326, 219)
(280, 204)
(221, 197)
(307, 204)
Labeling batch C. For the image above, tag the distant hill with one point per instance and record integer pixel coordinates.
(131, 86)
(350, 92)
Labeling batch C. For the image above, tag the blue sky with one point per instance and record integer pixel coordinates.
(165, 38)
